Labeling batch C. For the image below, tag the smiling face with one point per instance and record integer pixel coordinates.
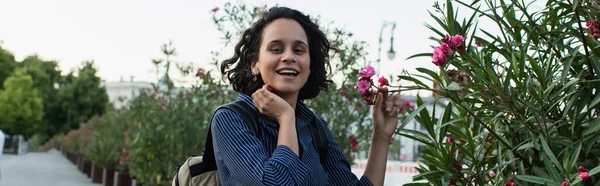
(283, 59)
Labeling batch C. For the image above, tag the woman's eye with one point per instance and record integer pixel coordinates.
(276, 50)
(298, 51)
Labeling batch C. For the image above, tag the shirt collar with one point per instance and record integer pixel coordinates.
(303, 113)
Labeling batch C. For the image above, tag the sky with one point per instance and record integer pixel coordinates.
(123, 36)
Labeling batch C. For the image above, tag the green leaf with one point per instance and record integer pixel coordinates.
(453, 86)
(546, 149)
(416, 184)
(422, 175)
(551, 169)
(593, 128)
(431, 73)
(420, 55)
(535, 179)
(415, 112)
(416, 135)
(526, 146)
(575, 3)
(594, 171)
(575, 156)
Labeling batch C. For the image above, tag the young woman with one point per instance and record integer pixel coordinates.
(280, 61)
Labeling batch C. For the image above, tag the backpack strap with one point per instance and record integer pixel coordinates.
(250, 117)
(320, 140)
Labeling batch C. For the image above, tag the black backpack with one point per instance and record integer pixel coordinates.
(198, 171)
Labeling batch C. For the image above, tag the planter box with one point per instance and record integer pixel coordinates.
(87, 167)
(122, 179)
(108, 176)
(79, 163)
(97, 173)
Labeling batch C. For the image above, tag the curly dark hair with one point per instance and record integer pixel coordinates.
(247, 50)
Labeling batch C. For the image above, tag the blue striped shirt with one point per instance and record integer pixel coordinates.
(243, 159)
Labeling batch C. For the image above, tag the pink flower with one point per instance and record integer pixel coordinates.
(477, 43)
(447, 39)
(439, 57)
(584, 175)
(446, 48)
(163, 97)
(368, 72)
(581, 169)
(126, 133)
(163, 107)
(449, 140)
(491, 174)
(451, 182)
(594, 28)
(407, 104)
(369, 101)
(564, 184)
(363, 87)
(382, 81)
(458, 42)
(354, 144)
(215, 9)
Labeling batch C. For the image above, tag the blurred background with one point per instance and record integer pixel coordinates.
(115, 88)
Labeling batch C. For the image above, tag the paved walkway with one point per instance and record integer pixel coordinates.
(43, 169)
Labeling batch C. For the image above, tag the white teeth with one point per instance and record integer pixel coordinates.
(288, 72)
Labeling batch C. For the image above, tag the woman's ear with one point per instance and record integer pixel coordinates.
(254, 68)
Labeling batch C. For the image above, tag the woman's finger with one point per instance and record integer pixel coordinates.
(378, 101)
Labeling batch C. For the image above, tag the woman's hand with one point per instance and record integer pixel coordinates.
(385, 114)
(272, 105)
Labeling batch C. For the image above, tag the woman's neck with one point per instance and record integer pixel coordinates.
(292, 99)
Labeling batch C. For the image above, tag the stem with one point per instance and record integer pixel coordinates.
(585, 46)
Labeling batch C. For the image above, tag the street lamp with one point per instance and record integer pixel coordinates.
(391, 54)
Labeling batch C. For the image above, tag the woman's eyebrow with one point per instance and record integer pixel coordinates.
(278, 41)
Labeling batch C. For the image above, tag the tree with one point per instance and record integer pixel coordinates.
(45, 75)
(21, 107)
(82, 96)
(7, 65)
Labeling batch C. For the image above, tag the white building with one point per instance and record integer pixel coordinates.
(120, 93)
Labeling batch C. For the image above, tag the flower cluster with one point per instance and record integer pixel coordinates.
(363, 86)
(594, 28)
(353, 142)
(511, 182)
(124, 155)
(583, 173)
(449, 45)
(406, 104)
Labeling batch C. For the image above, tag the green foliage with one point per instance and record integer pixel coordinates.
(107, 141)
(21, 108)
(45, 75)
(36, 141)
(7, 65)
(175, 132)
(82, 96)
(522, 106)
